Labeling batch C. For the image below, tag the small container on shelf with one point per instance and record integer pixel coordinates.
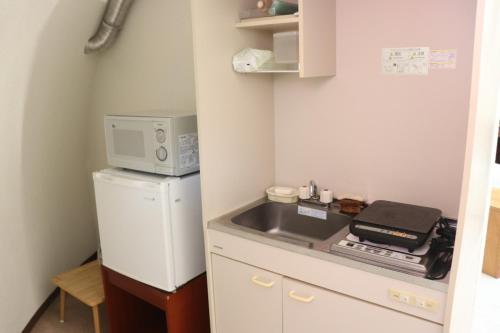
(252, 13)
(264, 5)
(264, 8)
(286, 47)
(258, 9)
(280, 7)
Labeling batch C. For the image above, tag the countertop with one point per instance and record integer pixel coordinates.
(224, 224)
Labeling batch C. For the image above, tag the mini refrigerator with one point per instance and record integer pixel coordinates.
(150, 226)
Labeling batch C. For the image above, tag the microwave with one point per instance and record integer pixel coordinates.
(166, 145)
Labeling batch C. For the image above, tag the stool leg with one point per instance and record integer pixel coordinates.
(95, 313)
(61, 306)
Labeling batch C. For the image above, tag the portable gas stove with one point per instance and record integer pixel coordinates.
(396, 258)
(393, 248)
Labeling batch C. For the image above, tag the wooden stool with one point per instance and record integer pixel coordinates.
(85, 284)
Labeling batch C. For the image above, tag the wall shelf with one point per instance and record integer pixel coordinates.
(275, 68)
(272, 23)
(315, 24)
(276, 71)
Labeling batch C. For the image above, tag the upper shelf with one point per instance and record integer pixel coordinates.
(272, 23)
(316, 27)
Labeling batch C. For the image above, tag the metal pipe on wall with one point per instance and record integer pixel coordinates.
(111, 25)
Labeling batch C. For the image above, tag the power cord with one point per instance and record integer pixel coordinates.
(443, 247)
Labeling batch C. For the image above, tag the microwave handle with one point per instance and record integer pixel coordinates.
(125, 182)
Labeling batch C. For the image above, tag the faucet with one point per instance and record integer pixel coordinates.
(314, 196)
(313, 190)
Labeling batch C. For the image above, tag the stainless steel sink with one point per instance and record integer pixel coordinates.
(282, 221)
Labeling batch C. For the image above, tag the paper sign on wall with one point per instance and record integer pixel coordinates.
(406, 61)
(444, 59)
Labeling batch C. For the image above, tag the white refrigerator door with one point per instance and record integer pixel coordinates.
(134, 229)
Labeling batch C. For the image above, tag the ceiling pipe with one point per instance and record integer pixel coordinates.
(109, 29)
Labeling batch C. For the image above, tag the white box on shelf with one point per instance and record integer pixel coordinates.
(286, 47)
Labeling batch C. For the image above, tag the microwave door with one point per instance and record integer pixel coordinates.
(129, 144)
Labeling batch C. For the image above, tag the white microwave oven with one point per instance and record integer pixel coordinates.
(166, 145)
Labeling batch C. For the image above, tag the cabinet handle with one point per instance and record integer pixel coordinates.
(255, 279)
(294, 296)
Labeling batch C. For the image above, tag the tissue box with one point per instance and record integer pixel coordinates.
(251, 60)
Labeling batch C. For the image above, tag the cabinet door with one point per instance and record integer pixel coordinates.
(308, 308)
(247, 299)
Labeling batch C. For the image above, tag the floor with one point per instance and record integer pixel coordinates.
(78, 318)
(487, 317)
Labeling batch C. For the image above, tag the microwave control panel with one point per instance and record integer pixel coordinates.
(162, 144)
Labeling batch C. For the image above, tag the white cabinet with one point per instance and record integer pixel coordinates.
(308, 308)
(247, 299)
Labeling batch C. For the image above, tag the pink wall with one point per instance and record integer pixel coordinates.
(384, 137)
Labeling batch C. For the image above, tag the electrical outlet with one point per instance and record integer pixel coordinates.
(431, 305)
(394, 295)
(421, 303)
(412, 300)
(405, 298)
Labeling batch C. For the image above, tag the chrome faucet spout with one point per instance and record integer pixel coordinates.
(313, 189)
(314, 197)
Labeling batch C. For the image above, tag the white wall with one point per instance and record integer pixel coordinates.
(235, 112)
(149, 68)
(384, 137)
(235, 116)
(52, 96)
(475, 201)
(44, 198)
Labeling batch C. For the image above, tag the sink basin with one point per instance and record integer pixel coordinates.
(283, 221)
